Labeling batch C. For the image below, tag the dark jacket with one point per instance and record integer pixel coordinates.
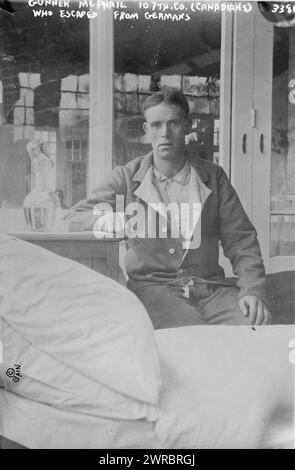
(223, 219)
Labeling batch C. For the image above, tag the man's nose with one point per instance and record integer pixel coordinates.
(166, 130)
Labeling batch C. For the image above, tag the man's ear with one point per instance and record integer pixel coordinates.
(145, 127)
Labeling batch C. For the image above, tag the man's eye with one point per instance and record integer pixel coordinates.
(156, 124)
(174, 123)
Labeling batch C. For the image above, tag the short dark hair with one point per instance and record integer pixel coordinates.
(170, 96)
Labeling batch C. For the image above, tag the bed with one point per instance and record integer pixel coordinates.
(90, 372)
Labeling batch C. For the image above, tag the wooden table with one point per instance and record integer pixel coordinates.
(102, 254)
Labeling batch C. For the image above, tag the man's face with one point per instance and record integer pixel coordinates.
(165, 128)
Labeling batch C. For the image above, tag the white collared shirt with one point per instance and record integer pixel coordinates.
(175, 189)
(178, 190)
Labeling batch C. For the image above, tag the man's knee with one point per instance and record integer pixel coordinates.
(222, 308)
(167, 307)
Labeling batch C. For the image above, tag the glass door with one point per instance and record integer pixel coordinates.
(274, 143)
(282, 171)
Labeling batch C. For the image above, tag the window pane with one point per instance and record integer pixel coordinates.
(179, 54)
(44, 87)
(76, 155)
(69, 155)
(84, 150)
(282, 235)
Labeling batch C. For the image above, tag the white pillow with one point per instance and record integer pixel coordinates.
(75, 332)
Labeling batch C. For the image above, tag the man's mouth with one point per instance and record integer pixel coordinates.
(165, 145)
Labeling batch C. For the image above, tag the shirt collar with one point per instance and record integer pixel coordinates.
(181, 177)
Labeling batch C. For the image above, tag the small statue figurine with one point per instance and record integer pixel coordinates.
(41, 203)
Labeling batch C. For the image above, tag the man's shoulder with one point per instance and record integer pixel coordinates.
(210, 166)
(206, 169)
(139, 164)
(134, 164)
(142, 162)
(130, 167)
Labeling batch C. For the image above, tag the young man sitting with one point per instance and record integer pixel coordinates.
(173, 268)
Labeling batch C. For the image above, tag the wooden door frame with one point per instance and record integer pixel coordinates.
(252, 116)
(226, 63)
(262, 132)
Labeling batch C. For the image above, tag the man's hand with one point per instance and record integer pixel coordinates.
(112, 222)
(255, 309)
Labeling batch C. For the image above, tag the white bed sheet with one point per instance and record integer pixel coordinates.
(224, 387)
(39, 426)
(227, 387)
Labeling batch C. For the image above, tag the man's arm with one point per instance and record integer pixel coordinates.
(83, 215)
(239, 241)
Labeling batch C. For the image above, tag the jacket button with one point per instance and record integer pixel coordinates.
(171, 251)
(180, 271)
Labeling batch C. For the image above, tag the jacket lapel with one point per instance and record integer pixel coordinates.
(198, 194)
(147, 192)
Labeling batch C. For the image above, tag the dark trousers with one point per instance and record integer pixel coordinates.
(168, 305)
